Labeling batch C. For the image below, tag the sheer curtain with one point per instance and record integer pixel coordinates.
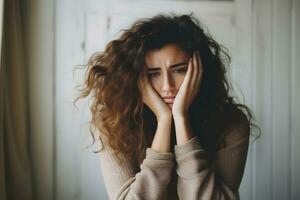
(15, 163)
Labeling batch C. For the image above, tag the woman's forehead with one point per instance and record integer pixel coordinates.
(165, 56)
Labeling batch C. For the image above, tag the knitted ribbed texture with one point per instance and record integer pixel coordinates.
(185, 173)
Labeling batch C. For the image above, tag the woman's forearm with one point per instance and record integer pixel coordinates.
(162, 138)
(183, 129)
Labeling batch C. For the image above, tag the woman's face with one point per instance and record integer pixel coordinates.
(166, 68)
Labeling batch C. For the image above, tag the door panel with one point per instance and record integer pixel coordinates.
(93, 23)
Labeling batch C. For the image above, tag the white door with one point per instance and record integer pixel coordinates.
(84, 27)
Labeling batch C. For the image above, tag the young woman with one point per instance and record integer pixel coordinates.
(167, 125)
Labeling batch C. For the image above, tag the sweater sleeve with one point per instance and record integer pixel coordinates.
(126, 181)
(197, 179)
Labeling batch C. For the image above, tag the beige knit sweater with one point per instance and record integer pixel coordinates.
(182, 174)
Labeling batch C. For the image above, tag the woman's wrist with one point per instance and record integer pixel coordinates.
(180, 116)
(162, 138)
(166, 117)
(183, 129)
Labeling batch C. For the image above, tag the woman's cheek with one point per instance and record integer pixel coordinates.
(179, 81)
(155, 83)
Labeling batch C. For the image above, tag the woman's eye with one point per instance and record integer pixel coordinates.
(153, 74)
(181, 70)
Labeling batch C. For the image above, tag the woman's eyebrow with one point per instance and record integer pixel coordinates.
(171, 66)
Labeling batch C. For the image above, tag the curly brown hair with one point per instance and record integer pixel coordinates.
(112, 76)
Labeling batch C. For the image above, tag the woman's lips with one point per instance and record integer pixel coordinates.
(169, 100)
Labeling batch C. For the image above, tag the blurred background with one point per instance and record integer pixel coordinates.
(44, 138)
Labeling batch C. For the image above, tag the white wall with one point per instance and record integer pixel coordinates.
(276, 53)
(263, 38)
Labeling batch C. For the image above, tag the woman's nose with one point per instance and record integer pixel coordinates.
(168, 83)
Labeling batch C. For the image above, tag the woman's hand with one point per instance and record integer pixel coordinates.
(189, 88)
(152, 99)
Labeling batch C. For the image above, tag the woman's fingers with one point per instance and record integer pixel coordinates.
(187, 78)
(199, 77)
(196, 70)
(151, 98)
(145, 88)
